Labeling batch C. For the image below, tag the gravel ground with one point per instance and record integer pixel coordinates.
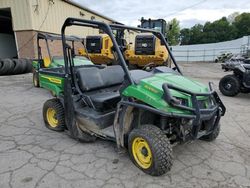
(33, 156)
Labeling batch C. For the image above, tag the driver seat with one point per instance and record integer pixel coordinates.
(101, 85)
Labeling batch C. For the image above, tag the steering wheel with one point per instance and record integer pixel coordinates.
(149, 66)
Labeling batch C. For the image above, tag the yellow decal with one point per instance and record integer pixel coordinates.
(54, 80)
(150, 89)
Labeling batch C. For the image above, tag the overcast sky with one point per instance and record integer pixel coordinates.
(188, 12)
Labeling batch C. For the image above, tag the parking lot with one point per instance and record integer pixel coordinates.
(33, 156)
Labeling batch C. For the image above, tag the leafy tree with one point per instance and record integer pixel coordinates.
(242, 24)
(173, 31)
(185, 35)
(219, 30)
(231, 17)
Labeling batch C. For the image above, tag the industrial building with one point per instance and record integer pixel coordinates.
(20, 20)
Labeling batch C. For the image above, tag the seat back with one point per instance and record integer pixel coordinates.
(92, 78)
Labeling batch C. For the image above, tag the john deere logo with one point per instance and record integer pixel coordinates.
(54, 80)
(150, 89)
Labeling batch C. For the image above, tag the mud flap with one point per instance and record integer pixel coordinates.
(69, 109)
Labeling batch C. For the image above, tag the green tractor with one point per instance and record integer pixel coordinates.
(146, 111)
(48, 59)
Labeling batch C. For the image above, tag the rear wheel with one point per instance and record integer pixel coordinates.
(229, 85)
(36, 79)
(150, 150)
(53, 115)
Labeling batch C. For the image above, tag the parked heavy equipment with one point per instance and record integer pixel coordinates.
(148, 48)
(145, 111)
(98, 49)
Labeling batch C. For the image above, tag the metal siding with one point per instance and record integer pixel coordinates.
(20, 11)
(27, 17)
(57, 14)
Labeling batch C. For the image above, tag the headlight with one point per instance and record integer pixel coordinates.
(182, 101)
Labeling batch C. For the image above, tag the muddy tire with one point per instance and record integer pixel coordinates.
(150, 150)
(229, 85)
(53, 115)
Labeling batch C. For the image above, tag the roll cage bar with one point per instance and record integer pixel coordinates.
(107, 28)
(46, 37)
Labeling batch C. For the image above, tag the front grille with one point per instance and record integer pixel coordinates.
(202, 104)
(94, 44)
(145, 45)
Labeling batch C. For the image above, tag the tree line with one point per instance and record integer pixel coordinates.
(227, 28)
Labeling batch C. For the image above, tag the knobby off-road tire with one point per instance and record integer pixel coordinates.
(229, 85)
(53, 115)
(213, 135)
(150, 150)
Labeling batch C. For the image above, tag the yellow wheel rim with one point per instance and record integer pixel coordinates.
(51, 117)
(142, 152)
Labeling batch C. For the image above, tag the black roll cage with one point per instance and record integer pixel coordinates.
(107, 28)
(52, 37)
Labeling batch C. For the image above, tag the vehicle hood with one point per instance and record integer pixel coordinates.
(154, 83)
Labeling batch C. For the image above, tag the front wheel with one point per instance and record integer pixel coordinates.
(213, 135)
(229, 85)
(150, 150)
(53, 115)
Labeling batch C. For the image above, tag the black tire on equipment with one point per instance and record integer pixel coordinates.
(36, 79)
(161, 149)
(212, 136)
(58, 107)
(235, 85)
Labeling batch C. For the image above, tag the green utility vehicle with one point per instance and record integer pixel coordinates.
(145, 111)
(46, 58)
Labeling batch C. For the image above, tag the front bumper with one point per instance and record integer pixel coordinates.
(197, 113)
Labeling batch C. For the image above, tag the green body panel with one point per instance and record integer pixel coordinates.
(59, 62)
(52, 83)
(150, 91)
